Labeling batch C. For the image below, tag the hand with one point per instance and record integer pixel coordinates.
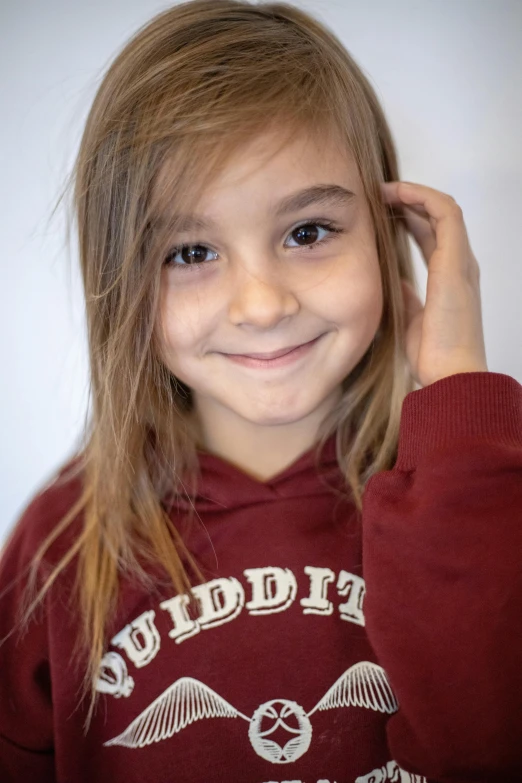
(445, 336)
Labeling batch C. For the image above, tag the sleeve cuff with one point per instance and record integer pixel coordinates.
(481, 406)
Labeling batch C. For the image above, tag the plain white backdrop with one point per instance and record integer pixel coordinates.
(448, 74)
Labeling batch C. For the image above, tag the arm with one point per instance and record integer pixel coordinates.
(26, 737)
(442, 557)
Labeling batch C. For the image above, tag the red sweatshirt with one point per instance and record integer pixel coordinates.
(320, 651)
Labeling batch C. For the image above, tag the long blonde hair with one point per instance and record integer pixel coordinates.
(186, 92)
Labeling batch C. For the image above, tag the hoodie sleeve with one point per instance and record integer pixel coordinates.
(26, 737)
(442, 558)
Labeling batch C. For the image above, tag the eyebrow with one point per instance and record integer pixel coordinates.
(326, 195)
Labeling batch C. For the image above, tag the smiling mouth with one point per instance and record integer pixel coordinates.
(285, 357)
(273, 354)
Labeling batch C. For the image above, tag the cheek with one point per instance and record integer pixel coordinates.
(183, 323)
(354, 298)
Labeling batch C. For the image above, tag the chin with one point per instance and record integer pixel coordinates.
(274, 412)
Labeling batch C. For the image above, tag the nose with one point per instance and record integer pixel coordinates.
(261, 297)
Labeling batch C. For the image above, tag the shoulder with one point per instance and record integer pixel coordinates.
(44, 512)
(26, 694)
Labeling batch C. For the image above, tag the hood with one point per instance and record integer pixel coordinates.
(222, 484)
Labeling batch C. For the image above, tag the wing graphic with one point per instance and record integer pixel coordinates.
(364, 684)
(184, 702)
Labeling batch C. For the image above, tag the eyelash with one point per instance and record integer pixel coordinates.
(328, 226)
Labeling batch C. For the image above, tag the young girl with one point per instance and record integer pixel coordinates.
(288, 549)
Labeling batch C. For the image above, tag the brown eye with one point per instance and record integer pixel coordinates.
(307, 234)
(190, 255)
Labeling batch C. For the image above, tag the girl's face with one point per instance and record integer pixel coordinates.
(264, 274)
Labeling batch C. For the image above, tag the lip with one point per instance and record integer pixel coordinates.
(279, 358)
(273, 354)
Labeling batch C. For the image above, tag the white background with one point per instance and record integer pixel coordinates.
(449, 76)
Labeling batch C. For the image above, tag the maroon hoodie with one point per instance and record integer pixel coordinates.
(321, 649)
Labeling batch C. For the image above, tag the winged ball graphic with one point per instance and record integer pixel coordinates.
(187, 700)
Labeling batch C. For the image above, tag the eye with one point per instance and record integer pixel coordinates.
(309, 231)
(193, 257)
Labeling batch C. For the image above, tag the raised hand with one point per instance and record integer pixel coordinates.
(444, 336)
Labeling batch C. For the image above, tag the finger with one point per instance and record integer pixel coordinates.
(412, 302)
(450, 230)
(422, 229)
(422, 233)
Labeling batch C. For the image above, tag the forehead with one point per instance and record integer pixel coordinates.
(301, 153)
(278, 167)
(287, 174)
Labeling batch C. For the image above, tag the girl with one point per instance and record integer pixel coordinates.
(288, 548)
